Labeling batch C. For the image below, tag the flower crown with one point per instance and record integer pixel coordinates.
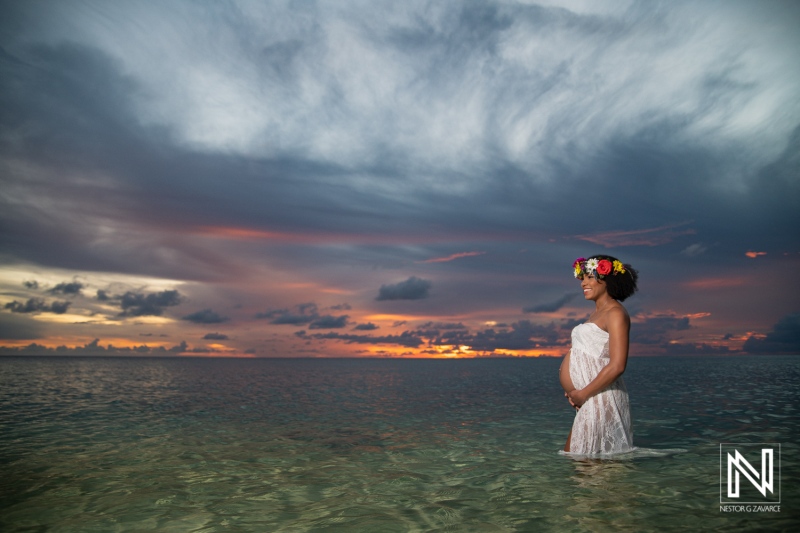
(599, 268)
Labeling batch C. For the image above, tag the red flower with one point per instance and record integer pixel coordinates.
(604, 267)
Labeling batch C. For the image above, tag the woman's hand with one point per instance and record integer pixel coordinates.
(577, 398)
(570, 399)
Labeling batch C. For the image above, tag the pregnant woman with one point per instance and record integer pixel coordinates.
(591, 373)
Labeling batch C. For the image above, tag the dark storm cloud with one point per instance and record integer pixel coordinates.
(300, 314)
(59, 308)
(94, 348)
(369, 326)
(442, 325)
(31, 284)
(68, 288)
(103, 295)
(522, 335)
(696, 349)
(153, 304)
(283, 316)
(38, 305)
(552, 306)
(658, 329)
(32, 305)
(206, 316)
(413, 288)
(570, 323)
(215, 337)
(407, 339)
(783, 339)
(329, 322)
(432, 329)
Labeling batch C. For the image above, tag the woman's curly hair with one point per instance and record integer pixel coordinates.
(619, 286)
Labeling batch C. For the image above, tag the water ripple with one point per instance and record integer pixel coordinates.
(348, 445)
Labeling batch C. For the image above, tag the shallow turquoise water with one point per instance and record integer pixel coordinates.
(375, 445)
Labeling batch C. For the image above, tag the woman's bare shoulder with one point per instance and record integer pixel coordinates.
(617, 316)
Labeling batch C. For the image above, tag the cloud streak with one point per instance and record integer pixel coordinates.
(453, 257)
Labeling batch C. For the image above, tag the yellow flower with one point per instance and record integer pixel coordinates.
(618, 267)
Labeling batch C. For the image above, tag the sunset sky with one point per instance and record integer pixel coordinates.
(347, 178)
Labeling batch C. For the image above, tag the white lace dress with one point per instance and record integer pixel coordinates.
(603, 424)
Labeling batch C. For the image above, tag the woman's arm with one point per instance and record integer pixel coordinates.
(619, 327)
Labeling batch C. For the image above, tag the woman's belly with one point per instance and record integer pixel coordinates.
(563, 375)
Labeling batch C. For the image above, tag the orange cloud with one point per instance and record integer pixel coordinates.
(753, 255)
(640, 237)
(668, 314)
(452, 257)
(227, 232)
(399, 318)
(714, 283)
(697, 315)
(243, 233)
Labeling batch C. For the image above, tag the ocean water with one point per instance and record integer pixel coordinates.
(140, 444)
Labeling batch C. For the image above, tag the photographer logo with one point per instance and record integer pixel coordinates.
(750, 477)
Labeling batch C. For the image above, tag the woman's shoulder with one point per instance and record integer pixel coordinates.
(617, 315)
(618, 310)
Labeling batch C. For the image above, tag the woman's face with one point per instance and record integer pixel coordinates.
(592, 287)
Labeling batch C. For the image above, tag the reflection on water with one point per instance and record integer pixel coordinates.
(351, 445)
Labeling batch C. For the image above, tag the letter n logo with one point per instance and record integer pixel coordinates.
(737, 466)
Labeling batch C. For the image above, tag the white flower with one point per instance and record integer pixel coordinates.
(591, 266)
